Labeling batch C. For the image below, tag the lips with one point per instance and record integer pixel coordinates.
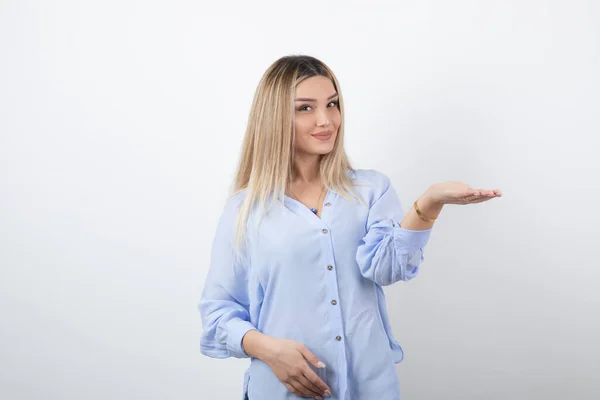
(324, 135)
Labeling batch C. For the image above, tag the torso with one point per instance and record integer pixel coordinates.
(300, 264)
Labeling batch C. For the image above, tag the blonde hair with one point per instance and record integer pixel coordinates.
(265, 166)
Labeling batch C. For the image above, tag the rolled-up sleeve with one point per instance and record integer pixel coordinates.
(389, 253)
(224, 303)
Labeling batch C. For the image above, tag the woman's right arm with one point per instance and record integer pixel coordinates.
(224, 303)
(227, 330)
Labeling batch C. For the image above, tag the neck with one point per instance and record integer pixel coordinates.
(306, 167)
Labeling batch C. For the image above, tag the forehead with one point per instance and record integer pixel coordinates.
(315, 87)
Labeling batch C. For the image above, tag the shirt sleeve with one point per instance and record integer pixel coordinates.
(389, 253)
(224, 303)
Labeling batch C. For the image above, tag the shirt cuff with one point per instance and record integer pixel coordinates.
(237, 328)
(409, 241)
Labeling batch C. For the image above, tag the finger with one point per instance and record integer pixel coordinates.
(312, 381)
(302, 389)
(491, 193)
(464, 200)
(310, 357)
(291, 388)
(476, 199)
(479, 196)
(314, 360)
(468, 199)
(481, 200)
(316, 382)
(311, 387)
(467, 193)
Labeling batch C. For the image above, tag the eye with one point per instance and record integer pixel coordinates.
(335, 104)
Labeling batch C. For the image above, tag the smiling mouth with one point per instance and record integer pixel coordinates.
(323, 135)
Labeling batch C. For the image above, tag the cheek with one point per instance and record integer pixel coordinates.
(336, 118)
(303, 125)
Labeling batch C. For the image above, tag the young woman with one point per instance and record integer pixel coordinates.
(304, 246)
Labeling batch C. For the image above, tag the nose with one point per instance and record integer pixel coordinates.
(322, 119)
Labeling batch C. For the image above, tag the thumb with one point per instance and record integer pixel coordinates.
(310, 357)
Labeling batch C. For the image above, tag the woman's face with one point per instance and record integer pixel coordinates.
(317, 115)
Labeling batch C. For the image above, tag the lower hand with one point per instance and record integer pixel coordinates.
(289, 361)
(453, 192)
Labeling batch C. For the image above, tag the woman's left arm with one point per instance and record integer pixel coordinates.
(392, 248)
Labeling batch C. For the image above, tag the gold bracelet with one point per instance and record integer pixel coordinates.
(423, 217)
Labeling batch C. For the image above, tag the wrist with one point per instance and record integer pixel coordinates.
(258, 345)
(429, 205)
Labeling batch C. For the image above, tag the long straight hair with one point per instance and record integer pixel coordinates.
(266, 165)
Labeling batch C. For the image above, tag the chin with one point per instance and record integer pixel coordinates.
(324, 150)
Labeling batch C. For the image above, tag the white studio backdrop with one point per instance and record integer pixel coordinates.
(120, 126)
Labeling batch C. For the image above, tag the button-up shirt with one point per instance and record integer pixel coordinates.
(316, 280)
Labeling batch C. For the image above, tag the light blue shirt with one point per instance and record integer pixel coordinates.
(317, 281)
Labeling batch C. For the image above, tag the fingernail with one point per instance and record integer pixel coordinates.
(327, 393)
(320, 364)
(319, 398)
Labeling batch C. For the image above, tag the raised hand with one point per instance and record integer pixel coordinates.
(454, 192)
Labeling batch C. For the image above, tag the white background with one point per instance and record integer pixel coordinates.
(121, 123)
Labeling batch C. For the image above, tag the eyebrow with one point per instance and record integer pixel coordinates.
(307, 99)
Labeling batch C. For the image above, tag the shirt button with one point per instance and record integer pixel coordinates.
(333, 302)
(327, 204)
(338, 338)
(324, 231)
(330, 267)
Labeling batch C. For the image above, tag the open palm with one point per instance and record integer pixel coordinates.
(454, 192)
